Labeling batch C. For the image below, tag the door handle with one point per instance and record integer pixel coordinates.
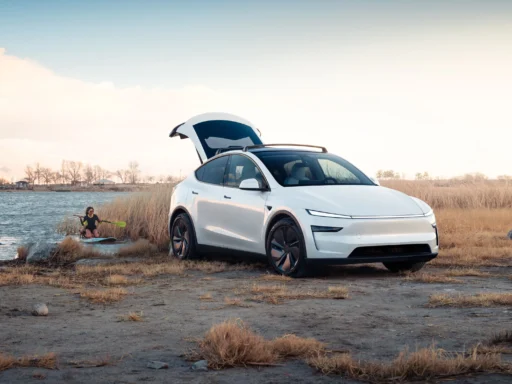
(227, 197)
(195, 193)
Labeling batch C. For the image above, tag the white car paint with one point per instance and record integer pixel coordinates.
(232, 218)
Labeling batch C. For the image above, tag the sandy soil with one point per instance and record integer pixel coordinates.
(383, 314)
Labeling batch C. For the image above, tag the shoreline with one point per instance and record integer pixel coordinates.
(95, 188)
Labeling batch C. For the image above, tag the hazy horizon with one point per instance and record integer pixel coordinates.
(410, 86)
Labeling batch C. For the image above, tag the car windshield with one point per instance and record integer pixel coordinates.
(296, 168)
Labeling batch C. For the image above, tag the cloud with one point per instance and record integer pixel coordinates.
(46, 117)
(5, 169)
(441, 107)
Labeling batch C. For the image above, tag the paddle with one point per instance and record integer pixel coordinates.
(120, 224)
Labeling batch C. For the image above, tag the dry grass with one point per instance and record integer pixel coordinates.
(425, 277)
(424, 364)
(233, 344)
(145, 214)
(466, 272)
(48, 361)
(95, 363)
(106, 296)
(206, 297)
(234, 302)
(293, 346)
(14, 277)
(116, 280)
(279, 278)
(276, 294)
(474, 238)
(132, 316)
(22, 253)
(442, 194)
(141, 247)
(478, 300)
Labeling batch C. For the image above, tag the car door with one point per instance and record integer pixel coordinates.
(207, 202)
(243, 211)
(213, 132)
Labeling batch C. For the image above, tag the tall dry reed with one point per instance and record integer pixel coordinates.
(438, 194)
(145, 213)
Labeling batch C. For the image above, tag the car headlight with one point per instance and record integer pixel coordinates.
(325, 214)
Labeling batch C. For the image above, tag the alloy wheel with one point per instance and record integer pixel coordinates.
(180, 238)
(285, 248)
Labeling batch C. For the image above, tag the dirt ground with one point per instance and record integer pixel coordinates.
(383, 314)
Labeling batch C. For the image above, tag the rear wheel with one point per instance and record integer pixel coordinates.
(404, 266)
(183, 240)
(286, 251)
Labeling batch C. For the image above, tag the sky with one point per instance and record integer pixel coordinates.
(411, 86)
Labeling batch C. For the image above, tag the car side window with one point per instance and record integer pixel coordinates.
(242, 168)
(213, 171)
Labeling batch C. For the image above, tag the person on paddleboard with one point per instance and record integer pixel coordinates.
(89, 221)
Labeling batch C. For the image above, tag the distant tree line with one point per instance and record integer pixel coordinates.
(76, 173)
(389, 174)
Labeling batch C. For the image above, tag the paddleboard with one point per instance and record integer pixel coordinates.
(99, 240)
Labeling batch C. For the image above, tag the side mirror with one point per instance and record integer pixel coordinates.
(375, 180)
(251, 185)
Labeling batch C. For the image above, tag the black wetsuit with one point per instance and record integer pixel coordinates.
(91, 222)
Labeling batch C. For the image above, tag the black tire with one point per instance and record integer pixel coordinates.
(286, 249)
(183, 239)
(405, 266)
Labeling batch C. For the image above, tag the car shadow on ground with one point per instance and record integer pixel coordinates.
(260, 264)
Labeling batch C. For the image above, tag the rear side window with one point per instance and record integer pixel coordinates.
(213, 171)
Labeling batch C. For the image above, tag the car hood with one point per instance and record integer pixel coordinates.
(355, 200)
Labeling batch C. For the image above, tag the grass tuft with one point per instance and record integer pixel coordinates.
(424, 364)
(22, 253)
(478, 300)
(425, 277)
(132, 316)
(276, 294)
(141, 247)
(106, 296)
(48, 361)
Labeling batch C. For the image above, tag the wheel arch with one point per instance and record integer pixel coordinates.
(179, 210)
(278, 215)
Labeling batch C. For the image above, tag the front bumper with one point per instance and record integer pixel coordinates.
(393, 239)
(366, 260)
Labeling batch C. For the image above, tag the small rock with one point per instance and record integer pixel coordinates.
(510, 235)
(40, 309)
(201, 365)
(157, 365)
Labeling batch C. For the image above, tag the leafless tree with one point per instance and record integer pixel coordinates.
(56, 177)
(134, 172)
(46, 175)
(73, 170)
(37, 173)
(88, 174)
(121, 173)
(30, 176)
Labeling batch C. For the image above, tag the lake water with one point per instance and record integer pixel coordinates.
(32, 216)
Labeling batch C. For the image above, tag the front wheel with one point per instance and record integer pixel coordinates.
(183, 240)
(404, 266)
(286, 251)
